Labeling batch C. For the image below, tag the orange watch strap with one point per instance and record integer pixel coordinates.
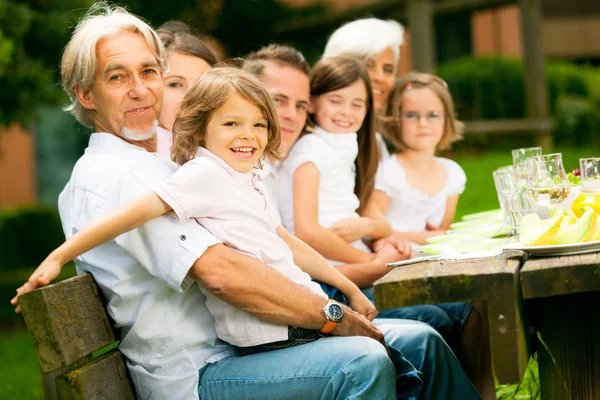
(329, 327)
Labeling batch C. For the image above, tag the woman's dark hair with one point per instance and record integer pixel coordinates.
(178, 37)
(336, 73)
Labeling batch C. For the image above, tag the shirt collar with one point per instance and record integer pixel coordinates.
(241, 177)
(349, 139)
(115, 143)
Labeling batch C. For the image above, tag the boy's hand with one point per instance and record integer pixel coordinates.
(362, 305)
(42, 276)
(351, 229)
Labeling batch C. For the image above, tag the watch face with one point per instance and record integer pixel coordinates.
(335, 312)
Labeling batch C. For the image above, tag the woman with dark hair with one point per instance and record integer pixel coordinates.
(187, 58)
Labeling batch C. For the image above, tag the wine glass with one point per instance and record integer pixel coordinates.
(590, 186)
(547, 182)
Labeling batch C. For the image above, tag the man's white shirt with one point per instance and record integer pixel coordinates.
(166, 332)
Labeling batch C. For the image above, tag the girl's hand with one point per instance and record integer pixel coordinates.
(42, 276)
(351, 229)
(434, 230)
(361, 304)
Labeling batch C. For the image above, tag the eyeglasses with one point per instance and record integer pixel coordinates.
(432, 117)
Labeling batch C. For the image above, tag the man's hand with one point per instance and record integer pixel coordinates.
(355, 324)
(42, 276)
(351, 229)
(362, 305)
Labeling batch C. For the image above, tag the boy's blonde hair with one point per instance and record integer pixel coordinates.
(209, 93)
(392, 120)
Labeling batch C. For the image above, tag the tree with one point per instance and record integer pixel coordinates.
(32, 35)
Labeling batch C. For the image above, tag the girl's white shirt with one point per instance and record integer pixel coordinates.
(410, 208)
(333, 154)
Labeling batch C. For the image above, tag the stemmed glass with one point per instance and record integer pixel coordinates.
(547, 182)
(590, 186)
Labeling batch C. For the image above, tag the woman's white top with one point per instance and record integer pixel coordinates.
(234, 207)
(333, 154)
(383, 151)
(410, 208)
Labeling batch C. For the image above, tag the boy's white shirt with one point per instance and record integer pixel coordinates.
(235, 208)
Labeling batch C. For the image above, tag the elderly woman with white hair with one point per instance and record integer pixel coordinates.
(377, 42)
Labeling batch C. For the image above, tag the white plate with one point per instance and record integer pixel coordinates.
(557, 249)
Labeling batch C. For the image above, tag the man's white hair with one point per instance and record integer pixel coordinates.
(78, 65)
(365, 38)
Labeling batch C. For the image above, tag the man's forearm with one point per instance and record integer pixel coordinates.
(251, 286)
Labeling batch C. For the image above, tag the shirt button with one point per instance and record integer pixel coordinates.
(182, 238)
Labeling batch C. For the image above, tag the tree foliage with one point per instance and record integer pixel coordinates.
(32, 35)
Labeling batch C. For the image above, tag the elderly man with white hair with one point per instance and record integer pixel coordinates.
(112, 70)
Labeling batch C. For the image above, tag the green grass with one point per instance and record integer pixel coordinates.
(20, 376)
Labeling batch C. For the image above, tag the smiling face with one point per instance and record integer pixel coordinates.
(342, 110)
(422, 119)
(237, 132)
(127, 90)
(181, 74)
(290, 90)
(381, 72)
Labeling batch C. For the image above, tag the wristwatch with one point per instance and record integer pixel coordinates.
(334, 314)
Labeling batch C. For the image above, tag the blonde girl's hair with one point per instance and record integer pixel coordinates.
(337, 73)
(392, 120)
(78, 64)
(209, 93)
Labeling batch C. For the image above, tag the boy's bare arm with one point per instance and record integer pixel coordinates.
(115, 223)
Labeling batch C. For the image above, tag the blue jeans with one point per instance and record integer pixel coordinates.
(446, 318)
(345, 368)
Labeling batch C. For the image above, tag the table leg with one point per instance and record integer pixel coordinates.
(569, 354)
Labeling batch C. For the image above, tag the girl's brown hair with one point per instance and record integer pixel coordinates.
(337, 73)
(209, 93)
(392, 121)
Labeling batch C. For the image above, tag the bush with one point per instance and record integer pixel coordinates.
(27, 235)
(577, 122)
(494, 88)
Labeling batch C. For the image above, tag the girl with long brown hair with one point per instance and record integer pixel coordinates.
(328, 176)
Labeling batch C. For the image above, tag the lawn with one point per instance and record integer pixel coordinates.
(19, 372)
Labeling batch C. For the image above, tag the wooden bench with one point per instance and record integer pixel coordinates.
(493, 280)
(71, 332)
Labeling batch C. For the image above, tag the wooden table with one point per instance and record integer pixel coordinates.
(493, 280)
(562, 295)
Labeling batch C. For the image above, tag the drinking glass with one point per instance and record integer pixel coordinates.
(521, 172)
(509, 195)
(547, 182)
(520, 156)
(590, 186)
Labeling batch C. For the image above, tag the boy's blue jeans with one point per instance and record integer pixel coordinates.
(345, 368)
